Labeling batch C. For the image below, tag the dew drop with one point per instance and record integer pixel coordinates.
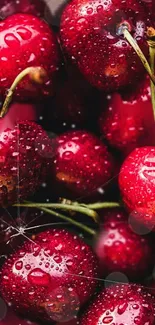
(107, 320)
(39, 277)
(122, 308)
(19, 265)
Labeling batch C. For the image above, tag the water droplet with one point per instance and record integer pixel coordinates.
(39, 277)
(122, 308)
(27, 266)
(107, 320)
(19, 265)
(57, 259)
(89, 11)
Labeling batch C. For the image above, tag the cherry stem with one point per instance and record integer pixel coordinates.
(74, 206)
(102, 205)
(36, 74)
(151, 43)
(139, 52)
(70, 220)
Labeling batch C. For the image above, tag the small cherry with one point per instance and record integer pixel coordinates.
(92, 35)
(119, 249)
(81, 163)
(50, 276)
(27, 41)
(121, 304)
(10, 7)
(137, 184)
(128, 121)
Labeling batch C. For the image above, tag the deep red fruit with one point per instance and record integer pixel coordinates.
(10, 7)
(19, 112)
(72, 322)
(82, 162)
(27, 41)
(128, 120)
(91, 35)
(137, 184)
(25, 150)
(50, 277)
(13, 319)
(120, 249)
(121, 304)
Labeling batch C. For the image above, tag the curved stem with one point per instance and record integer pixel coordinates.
(37, 74)
(152, 58)
(103, 205)
(70, 220)
(70, 207)
(139, 52)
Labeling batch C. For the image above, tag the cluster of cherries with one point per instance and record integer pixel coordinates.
(88, 83)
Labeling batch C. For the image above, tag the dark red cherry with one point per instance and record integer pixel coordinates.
(137, 184)
(27, 41)
(51, 276)
(81, 163)
(121, 304)
(91, 36)
(128, 121)
(9, 317)
(10, 7)
(120, 249)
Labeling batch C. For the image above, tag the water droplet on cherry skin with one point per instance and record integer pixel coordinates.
(19, 265)
(39, 277)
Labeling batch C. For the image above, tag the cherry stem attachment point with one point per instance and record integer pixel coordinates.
(139, 52)
(36, 74)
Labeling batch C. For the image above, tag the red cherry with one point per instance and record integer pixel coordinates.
(128, 120)
(10, 7)
(137, 184)
(121, 304)
(91, 36)
(72, 322)
(50, 277)
(24, 151)
(81, 163)
(27, 41)
(12, 318)
(120, 249)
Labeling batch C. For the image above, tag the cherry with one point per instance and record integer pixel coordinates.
(10, 7)
(25, 150)
(81, 163)
(12, 318)
(121, 304)
(92, 35)
(51, 276)
(137, 185)
(120, 249)
(72, 322)
(27, 41)
(128, 121)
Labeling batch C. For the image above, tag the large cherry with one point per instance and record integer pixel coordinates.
(10, 7)
(91, 34)
(137, 184)
(81, 163)
(27, 41)
(51, 276)
(128, 121)
(120, 249)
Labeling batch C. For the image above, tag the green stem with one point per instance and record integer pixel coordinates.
(70, 220)
(103, 205)
(37, 74)
(139, 52)
(70, 207)
(152, 65)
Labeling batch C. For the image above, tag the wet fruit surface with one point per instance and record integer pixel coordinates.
(9, 7)
(91, 35)
(121, 304)
(82, 162)
(137, 184)
(50, 276)
(27, 41)
(120, 249)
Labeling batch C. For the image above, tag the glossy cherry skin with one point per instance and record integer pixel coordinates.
(27, 41)
(137, 185)
(90, 35)
(121, 250)
(121, 304)
(12, 318)
(25, 150)
(50, 277)
(81, 163)
(10, 7)
(128, 121)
